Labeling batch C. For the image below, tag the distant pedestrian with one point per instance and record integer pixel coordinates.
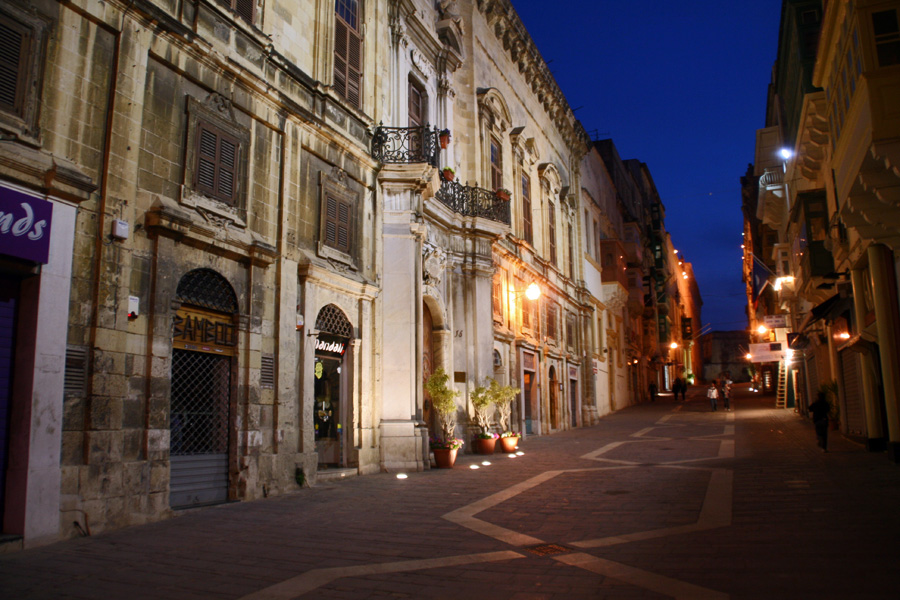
(726, 394)
(684, 385)
(653, 392)
(819, 410)
(713, 394)
(676, 387)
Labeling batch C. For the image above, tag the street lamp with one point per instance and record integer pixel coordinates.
(533, 291)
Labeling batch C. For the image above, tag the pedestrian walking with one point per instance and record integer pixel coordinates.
(713, 394)
(653, 392)
(677, 387)
(726, 395)
(684, 385)
(819, 410)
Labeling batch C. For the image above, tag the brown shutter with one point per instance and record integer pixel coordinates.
(217, 161)
(354, 67)
(552, 233)
(496, 165)
(331, 221)
(15, 42)
(526, 208)
(415, 106)
(245, 9)
(205, 174)
(228, 158)
(340, 57)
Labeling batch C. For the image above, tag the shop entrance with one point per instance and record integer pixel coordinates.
(203, 342)
(332, 414)
(9, 299)
(328, 414)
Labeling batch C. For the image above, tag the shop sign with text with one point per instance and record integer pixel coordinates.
(25, 226)
(203, 331)
(327, 345)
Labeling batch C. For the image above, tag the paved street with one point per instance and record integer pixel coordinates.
(660, 500)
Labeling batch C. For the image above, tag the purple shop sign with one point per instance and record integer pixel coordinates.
(25, 226)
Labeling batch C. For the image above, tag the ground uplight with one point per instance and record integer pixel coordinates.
(402, 475)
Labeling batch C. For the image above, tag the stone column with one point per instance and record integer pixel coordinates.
(402, 188)
(884, 290)
(875, 440)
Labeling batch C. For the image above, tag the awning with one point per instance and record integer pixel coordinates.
(829, 310)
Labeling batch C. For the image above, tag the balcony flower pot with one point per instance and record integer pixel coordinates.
(448, 173)
(503, 194)
(444, 138)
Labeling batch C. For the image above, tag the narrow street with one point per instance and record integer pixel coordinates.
(659, 500)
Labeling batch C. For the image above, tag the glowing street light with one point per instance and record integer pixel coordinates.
(673, 345)
(761, 329)
(533, 291)
(785, 153)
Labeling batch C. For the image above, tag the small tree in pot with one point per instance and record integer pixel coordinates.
(481, 404)
(502, 396)
(443, 399)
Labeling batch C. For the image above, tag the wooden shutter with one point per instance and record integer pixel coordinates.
(526, 208)
(338, 223)
(347, 61)
(15, 48)
(245, 9)
(217, 160)
(552, 214)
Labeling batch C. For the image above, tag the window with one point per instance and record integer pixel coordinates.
(217, 157)
(15, 50)
(22, 35)
(347, 51)
(496, 165)
(571, 241)
(552, 232)
(417, 103)
(245, 9)
(497, 300)
(550, 317)
(527, 232)
(216, 165)
(887, 37)
(337, 225)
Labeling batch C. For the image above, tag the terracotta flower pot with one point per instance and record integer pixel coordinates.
(508, 444)
(485, 446)
(444, 139)
(449, 175)
(443, 458)
(503, 196)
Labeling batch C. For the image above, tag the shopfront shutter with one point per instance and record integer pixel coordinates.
(855, 416)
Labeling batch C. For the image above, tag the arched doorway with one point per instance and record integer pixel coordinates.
(428, 367)
(331, 414)
(554, 399)
(203, 343)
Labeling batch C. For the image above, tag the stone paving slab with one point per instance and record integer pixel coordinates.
(660, 500)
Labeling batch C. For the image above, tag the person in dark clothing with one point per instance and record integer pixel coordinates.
(676, 387)
(819, 410)
(653, 392)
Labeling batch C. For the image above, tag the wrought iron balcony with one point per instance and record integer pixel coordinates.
(471, 201)
(406, 145)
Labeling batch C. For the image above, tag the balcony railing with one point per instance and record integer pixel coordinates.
(473, 201)
(406, 145)
(772, 177)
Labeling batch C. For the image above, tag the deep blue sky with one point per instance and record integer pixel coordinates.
(680, 86)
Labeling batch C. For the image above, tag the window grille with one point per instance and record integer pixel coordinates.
(75, 380)
(331, 320)
(201, 385)
(207, 289)
(267, 372)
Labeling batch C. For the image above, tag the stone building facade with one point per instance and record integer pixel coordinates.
(236, 258)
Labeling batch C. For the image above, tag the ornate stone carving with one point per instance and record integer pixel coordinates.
(421, 63)
(433, 259)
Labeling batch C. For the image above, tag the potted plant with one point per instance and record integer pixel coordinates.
(443, 400)
(481, 403)
(502, 397)
(504, 194)
(444, 138)
(448, 173)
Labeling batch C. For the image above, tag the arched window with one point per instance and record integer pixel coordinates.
(333, 321)
(207, 289)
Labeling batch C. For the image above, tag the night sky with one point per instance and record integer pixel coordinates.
(680, 86)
